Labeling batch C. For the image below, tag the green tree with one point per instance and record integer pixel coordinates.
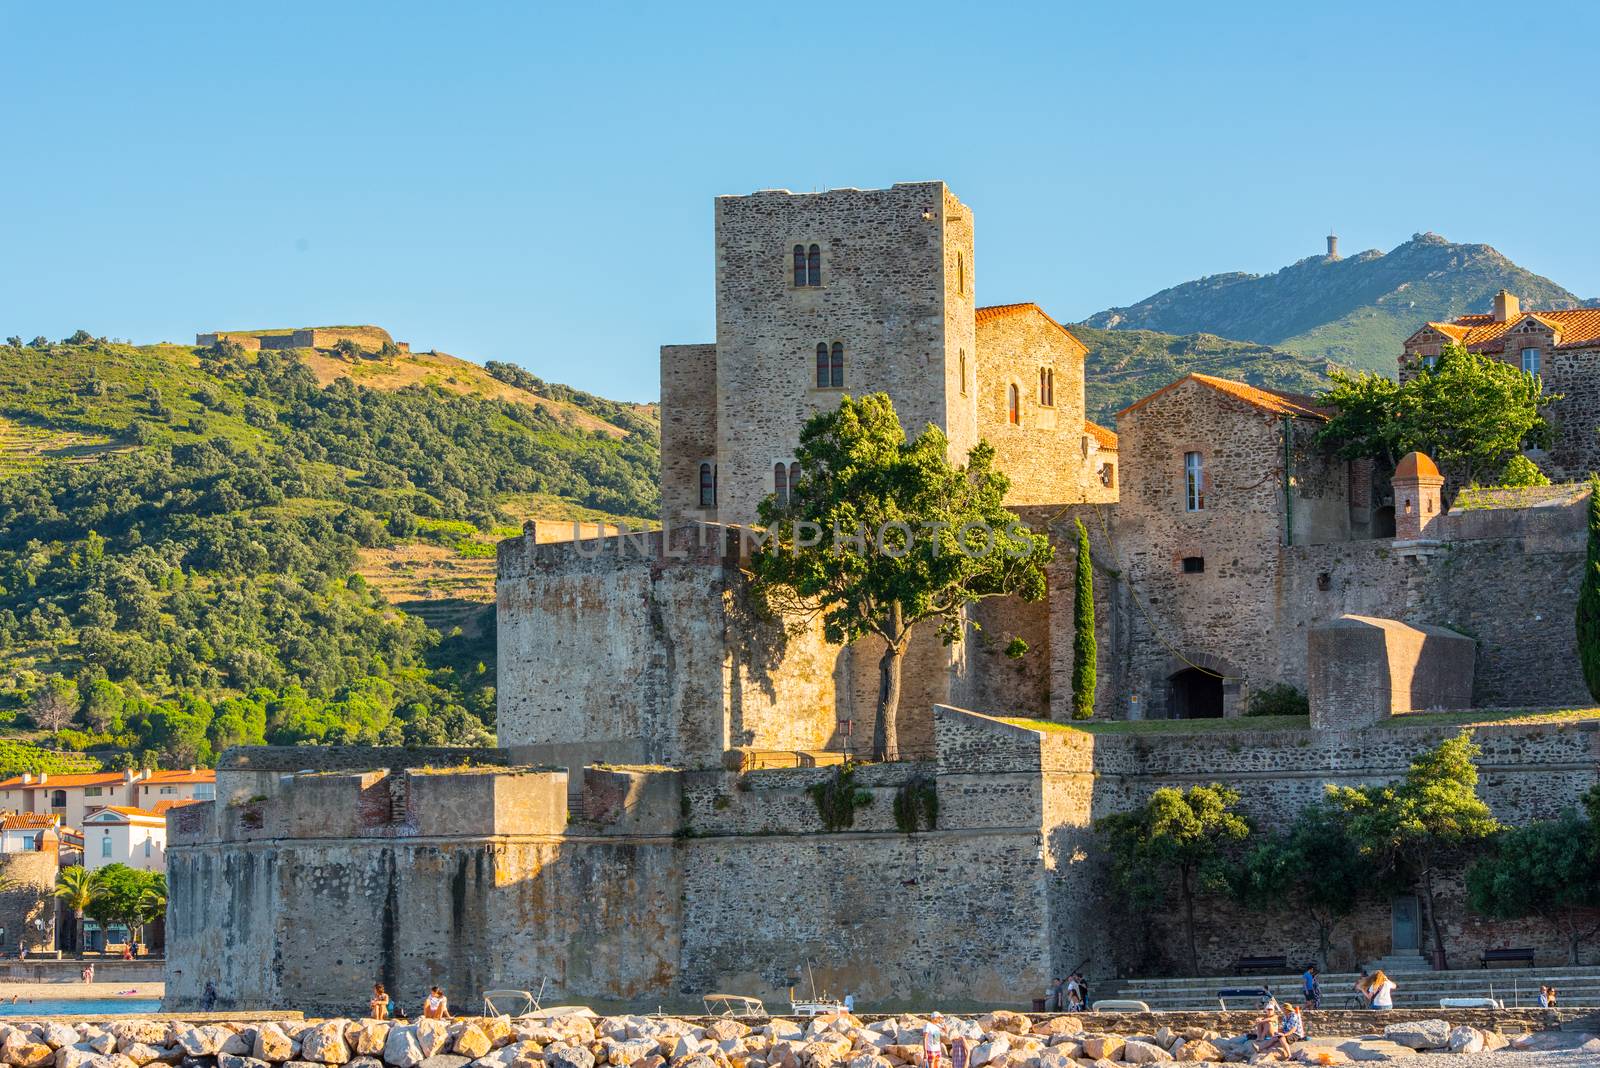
(1470, 412)
(1411, 829)
(78, 888)
(152, 902)
(1588, 621)
(1083, 640)
(1521, 471)
(347, 348)
(55, 705)
(1546, 869)
(1314, 869)
(934, 538)
(119, 891)
(1176, 839)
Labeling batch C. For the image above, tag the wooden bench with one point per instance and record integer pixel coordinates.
(1247, 965)
(1524, 954)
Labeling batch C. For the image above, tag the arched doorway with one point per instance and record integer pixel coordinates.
(1194, 694)
(1383, 521)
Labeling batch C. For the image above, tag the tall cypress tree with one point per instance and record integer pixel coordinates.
(1083, 644)
(1589, 599)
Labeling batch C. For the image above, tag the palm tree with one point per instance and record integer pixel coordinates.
(79, 888)
(152, 903)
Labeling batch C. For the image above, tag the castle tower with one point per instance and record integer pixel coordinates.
(1333, 246)
(820, 295)
(1417, 483)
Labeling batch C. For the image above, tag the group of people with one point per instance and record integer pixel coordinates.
(1068, 995)
(434, 1007)
(1547, 996)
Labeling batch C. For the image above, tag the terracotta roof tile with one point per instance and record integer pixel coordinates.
(184, 775)
(992, 312)
(1574, 328)
(161, 808)
(143, 815)
(23, 821)
(1270, 400)
(1106, 438)
(105, 778)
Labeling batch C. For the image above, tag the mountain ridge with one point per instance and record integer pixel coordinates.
(1355, 310)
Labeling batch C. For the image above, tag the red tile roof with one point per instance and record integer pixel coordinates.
(1574, 328)
(1000, 311)
(139, 814)
(27, 821)
(102, 778)
(1106, 438)
(160, 808)
(1271, 400)
(183, 775)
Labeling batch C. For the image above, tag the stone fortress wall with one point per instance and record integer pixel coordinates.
(370, 338)
(305, 886)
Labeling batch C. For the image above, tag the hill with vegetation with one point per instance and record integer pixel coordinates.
(1124, 365)
(1355, 311)
(202, 547)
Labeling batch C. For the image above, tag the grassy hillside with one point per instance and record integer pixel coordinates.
(201, 547)
(1125, 365)
(1355, 311)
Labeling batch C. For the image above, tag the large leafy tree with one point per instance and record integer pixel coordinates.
(881, 533)
(1314, 867)
(1177, 840)
(1588, 621)
(1549, 870)
(120, 894)
(1083, 639)
(1470, 412)
(1411, 829)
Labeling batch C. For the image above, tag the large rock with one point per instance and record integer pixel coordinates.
(239, 1043)
(367, 1037)
(1196, 1049)
(567, 1057)
(27, 1054)
(103, 1043)
(471, 1042)
(135, 1032)
(432, 1037)
(1494, 1041)
(400, 1047)
(272, 1044)
(444, 1060)
(58, 1034)
(1058, 1025)
(204, 1041)
(992, 1050)
(1135, 1051)
(324, 1043)
(229, 1060)
(1465, 1039)
(1419, 1034)
(74, 1056)
(718, 1030)
(1003, 1020)
(1102, 1047)
(142, 1053)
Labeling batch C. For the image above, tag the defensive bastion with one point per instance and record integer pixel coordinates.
(317, 871)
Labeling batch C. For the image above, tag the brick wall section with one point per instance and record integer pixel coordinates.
(688, 429)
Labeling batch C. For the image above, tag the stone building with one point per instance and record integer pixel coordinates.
(662, 817)
(1561, 346)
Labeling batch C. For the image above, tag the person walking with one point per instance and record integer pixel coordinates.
(1313, 987)
(932, 1041)
(1381, 989)
(208, 999)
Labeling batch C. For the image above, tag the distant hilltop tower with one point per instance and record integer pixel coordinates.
(1333, 246)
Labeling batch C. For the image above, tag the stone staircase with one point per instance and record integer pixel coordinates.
(1516, 987)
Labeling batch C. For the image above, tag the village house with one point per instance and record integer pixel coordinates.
(73, 798)
(121, 834)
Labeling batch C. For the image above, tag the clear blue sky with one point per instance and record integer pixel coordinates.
(531, 183)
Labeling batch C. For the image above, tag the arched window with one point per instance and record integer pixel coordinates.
(799, 265)
(814, 266)
(708, 485)
(1013, 404)
(961, 274)
(780, 483)
(794, 476)
(836, 366)
(822, 365)
(963, 370)
(58, 799)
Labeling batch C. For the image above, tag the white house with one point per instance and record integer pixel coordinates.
(120, 834)
(76, 797)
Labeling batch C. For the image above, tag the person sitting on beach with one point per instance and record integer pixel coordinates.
(1289, 1031)
(1266, 1025)
(378, 1007)
(436, 1007)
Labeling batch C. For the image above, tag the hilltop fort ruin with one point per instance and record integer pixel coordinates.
(650, 828)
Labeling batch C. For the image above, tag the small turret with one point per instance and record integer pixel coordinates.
(1417, 484)
(1333, 246)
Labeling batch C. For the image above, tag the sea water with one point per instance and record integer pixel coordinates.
(79, 1006)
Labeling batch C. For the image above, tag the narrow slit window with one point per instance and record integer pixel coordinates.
(708, 485)
(1194, 482)
(836, 366)
(822, 365)
(1013, 404)
(961, 274)
(794, 478)
(814, 266)
(963, 372)
(780, 483)
(799, 265)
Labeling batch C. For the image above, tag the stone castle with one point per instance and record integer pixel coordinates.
(649, 829)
